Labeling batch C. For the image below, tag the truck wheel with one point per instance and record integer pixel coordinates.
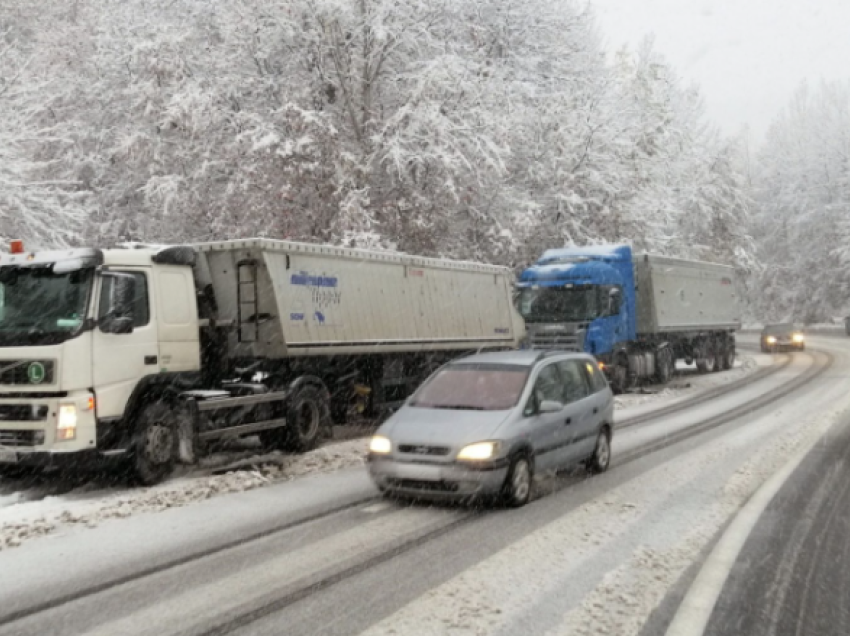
(152, 451)
(307, 419)
(621, 381)
(664, 365)
(708, 363)
(729, 358)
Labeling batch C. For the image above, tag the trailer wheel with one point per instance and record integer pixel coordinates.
(152, 450)
(307, 419)
(665, 365)
(729, 357)
(707, 362)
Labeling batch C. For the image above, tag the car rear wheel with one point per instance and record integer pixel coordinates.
(601, 458)
(516, 491)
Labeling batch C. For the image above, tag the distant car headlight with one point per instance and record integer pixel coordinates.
(797, 337)
(479, 451)
(380, 445)
(771, 340)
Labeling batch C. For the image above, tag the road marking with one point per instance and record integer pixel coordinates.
(696, 608)
(375, 508)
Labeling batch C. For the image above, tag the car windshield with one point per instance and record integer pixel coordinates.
(473, 387)
(557, 304)
(39, 307)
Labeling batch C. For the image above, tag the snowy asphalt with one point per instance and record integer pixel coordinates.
(324, 555)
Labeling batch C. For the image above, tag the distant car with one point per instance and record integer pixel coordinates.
(782, 336)
(484, 424)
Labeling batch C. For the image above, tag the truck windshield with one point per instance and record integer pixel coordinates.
(38, 307)
(557, 304)
(473, 387)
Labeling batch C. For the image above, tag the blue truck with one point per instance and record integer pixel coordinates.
(638, 314)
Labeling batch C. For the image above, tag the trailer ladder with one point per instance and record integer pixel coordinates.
(247, 302)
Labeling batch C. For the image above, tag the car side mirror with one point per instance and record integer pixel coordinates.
(551, 406)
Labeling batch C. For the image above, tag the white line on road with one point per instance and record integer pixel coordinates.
(696, 608)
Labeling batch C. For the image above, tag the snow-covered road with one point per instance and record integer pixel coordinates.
(322, 555)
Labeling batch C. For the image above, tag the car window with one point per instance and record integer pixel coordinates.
(549, 385)
(575, 380)
(595, 377)
(141, 302)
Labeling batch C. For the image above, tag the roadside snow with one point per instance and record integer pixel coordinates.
(23, 520)
(688, 381)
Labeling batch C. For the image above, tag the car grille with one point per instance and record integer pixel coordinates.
(18, 372)
(21, 438)
(419, 484)
(22, 413)
(433, 451)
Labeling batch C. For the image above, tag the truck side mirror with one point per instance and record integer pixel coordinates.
(118, 317)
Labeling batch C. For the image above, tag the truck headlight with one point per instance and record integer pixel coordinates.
(479, 451)
(380, 445)
(66, 427)
(771, 340)
(797, 337)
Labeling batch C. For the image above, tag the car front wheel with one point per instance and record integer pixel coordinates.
(516, 491)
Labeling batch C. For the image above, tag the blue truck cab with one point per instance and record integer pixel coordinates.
(580, 299)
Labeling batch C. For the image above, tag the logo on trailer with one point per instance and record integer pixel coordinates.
(36, 373)
(725, 281)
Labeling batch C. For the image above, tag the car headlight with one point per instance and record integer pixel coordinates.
(66, 427)
(479, 451)
(771, 340)
(797, 337)
(380, 445)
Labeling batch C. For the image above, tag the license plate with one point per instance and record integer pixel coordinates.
(8, 457)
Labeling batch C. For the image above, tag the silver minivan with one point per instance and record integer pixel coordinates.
(484, 424)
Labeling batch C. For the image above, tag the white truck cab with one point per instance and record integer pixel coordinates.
(80, 330)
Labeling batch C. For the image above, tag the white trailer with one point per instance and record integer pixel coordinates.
(151, 353)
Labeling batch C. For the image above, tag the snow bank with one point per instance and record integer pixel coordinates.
(688, 382)
(24, 520)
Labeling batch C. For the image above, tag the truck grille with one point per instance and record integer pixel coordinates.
(556, 337)
(21, 438)
(23, 413)
(31, 372)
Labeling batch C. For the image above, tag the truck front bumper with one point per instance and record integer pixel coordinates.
(34, 428)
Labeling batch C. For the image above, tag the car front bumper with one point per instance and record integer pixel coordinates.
(437, 480)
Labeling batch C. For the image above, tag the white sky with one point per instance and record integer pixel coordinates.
(747, 56)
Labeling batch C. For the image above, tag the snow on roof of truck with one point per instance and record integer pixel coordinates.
(293, 247)
(598, 251)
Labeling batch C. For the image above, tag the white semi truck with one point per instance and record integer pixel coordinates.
(151, 353)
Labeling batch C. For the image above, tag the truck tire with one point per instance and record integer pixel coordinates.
(708, 361)
(152, 449)
(729, 357)
(621, 379)
(664, 366)
(307, 419)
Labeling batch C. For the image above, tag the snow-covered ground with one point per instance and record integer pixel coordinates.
(688, 381)
(22, 519)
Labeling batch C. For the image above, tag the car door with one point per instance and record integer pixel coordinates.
(602, 401)
(581, 412)
(547, 432)
(124, 359)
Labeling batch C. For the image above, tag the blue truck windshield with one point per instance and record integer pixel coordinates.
(558, 304)
(38, 307)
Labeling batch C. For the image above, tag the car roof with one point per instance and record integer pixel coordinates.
(778, 326)
(521, 357)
